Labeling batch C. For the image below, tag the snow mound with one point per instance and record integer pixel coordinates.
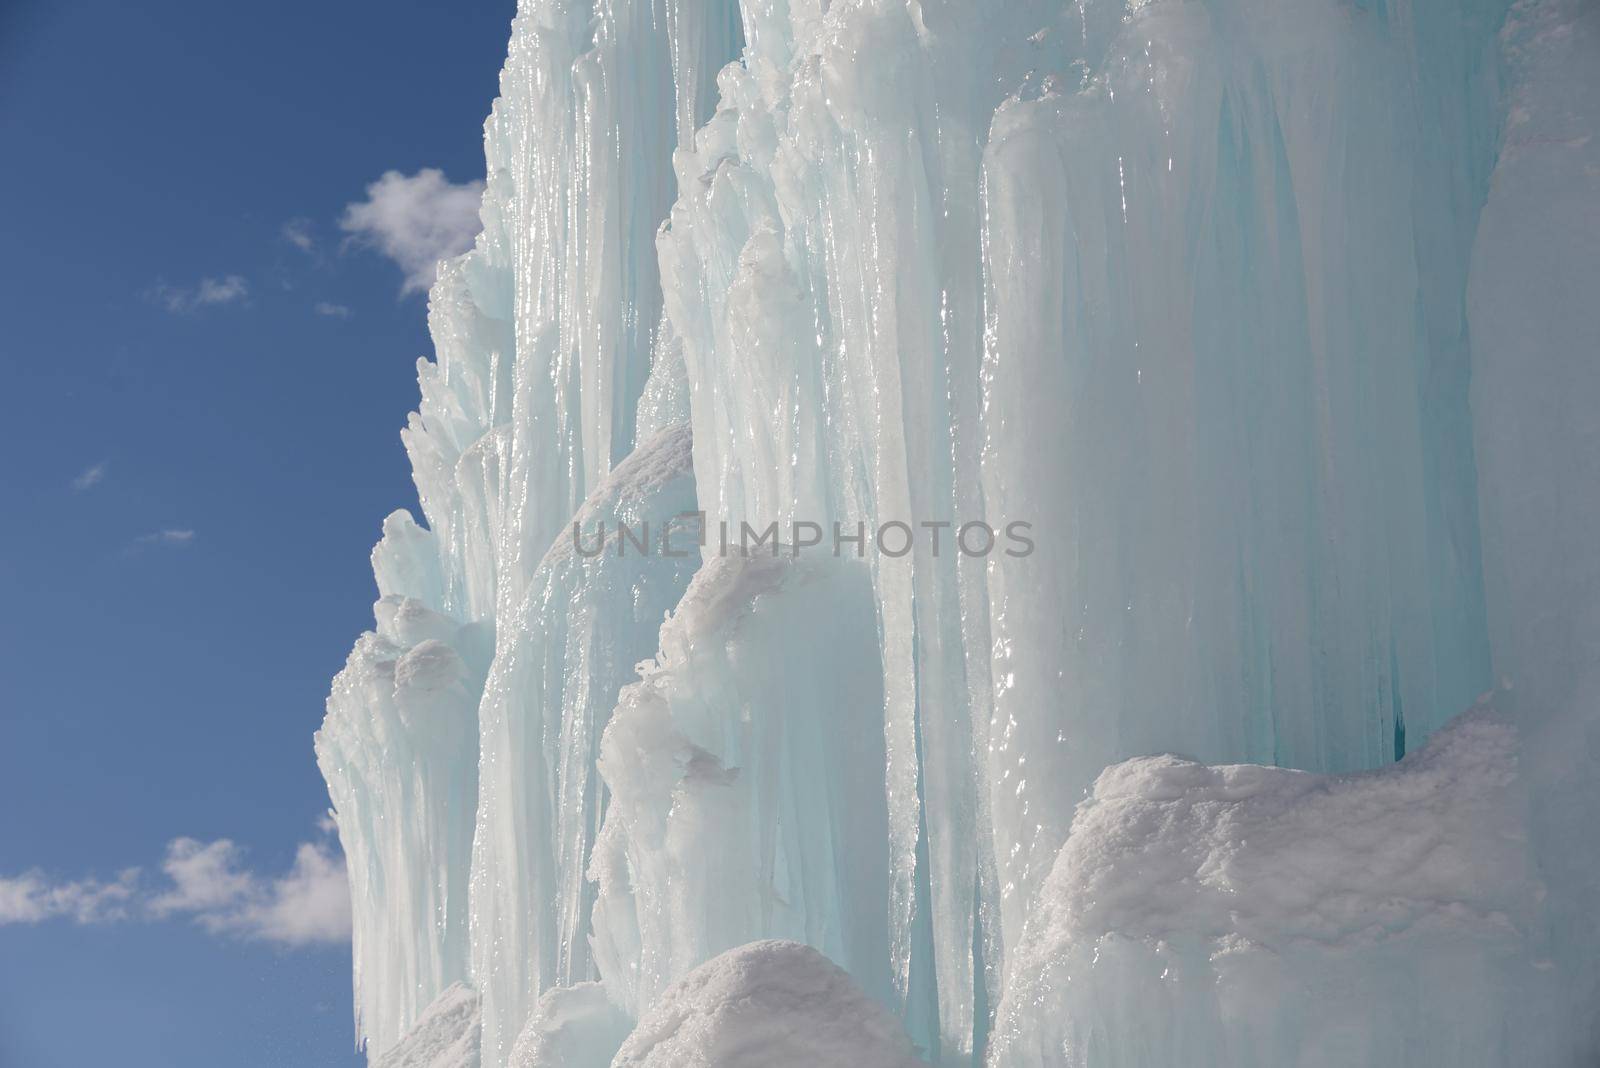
(574, 1026)
(767, 1005)
(1249, 915)
(444, 1036)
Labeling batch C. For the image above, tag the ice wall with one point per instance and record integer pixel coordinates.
(1184, 286)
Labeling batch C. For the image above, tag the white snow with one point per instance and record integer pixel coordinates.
(575, 1026)
(768, 1004)
(1257, 915)
(444, 1036)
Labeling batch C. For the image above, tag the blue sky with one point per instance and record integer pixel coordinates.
(204, 380)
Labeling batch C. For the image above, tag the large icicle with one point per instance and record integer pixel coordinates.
(746, 779)
(590, 615)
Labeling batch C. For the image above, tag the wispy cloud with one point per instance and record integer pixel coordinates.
(210, 292)
(298, 233)
(33, 898)
(209, 884)
(92, 475)
(171, 537)
(416, 221)
(332, 311)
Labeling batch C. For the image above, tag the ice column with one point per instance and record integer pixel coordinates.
(399, 751)
(1536, 377)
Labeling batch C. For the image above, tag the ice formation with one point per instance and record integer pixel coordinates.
(1271, 320)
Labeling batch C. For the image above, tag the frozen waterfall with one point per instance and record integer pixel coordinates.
(1270, 327)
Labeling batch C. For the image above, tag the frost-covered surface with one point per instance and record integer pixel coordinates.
(769, 1004)
(1243, 915)
(444, 1036)
(1185, 285)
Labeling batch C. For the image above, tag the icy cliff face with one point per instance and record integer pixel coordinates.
(1184, 288)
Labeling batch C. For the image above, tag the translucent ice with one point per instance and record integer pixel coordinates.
(584, 623)
(399, 751)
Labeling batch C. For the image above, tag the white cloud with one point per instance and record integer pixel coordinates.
(332, 311)
(209, 884)
(298, 233)
(416, 221)
(32, 898)
(209, 292)
(91, 476)
(310, 905)
(205, 877)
